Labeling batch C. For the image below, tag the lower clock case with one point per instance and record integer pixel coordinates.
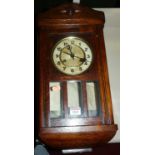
(74, 119)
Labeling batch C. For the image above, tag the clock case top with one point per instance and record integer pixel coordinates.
(53, 25)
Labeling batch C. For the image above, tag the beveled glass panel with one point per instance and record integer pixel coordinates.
(55, 99)
(91, 98)
(73, 91)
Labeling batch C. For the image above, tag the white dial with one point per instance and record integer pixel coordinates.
(72, 55)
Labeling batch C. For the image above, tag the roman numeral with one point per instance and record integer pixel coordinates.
(86, 49)
(58, 63)
(65, 44)
(72, 41)
(59, 48)
(72, 70)
(57, 55)
(80, 68)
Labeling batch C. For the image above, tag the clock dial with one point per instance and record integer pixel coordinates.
(72, 55)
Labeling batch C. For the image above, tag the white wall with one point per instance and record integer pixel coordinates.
(112, 43)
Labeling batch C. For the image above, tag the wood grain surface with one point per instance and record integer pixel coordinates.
(53, 25)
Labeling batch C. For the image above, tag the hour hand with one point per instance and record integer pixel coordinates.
(81, 59)
(69, 48)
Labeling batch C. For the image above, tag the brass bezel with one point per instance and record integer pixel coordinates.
(71, 37)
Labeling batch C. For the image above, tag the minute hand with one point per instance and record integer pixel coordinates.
(81, 59)
(67, 53)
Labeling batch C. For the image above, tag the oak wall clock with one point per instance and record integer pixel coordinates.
(75, 107)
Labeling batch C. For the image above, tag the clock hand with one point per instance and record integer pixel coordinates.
(72, 54)
(66, 53)
(81, 59)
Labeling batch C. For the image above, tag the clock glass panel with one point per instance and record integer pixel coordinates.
(72, 55)
(74, 96)
(56, 94)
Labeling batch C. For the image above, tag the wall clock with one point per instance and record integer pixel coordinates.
(75, 107)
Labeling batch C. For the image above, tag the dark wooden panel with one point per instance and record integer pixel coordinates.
(85, 104)
(43, 5)
(106, 149)
(65, 99)
(77, 137)
(75, 122)
(101, 3)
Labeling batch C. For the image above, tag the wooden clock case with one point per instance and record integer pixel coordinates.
(73, 20)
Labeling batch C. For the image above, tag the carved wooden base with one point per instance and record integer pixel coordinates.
(77, 137)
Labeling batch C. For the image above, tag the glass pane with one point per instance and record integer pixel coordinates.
(91, 99)
(73, 90)
(55, 99)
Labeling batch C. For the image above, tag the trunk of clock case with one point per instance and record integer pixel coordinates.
(74, 132)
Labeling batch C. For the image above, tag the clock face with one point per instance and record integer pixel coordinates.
(72, 55)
